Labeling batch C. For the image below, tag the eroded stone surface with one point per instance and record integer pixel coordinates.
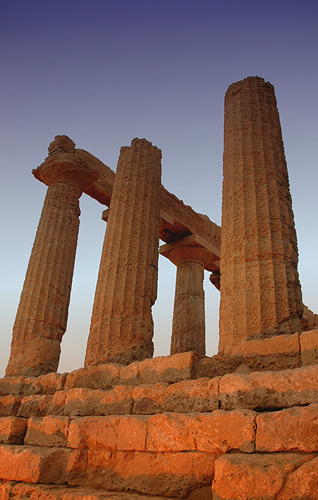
(260, 290)
(291, 429)
(43, 309)
(268, 390)
(122, 326)
(250, 477)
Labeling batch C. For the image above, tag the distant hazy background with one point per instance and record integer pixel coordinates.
(106, 71)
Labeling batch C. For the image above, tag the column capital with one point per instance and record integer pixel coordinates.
(64, 164)
(191, 248)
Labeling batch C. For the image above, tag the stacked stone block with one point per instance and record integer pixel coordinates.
(243, 435)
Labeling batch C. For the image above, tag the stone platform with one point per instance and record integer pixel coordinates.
(159, 428)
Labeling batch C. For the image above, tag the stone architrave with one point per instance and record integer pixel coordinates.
(43, 309)
(121, 325)
(260, 289)
(188, 325)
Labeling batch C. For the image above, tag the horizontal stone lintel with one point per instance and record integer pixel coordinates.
(176, 219)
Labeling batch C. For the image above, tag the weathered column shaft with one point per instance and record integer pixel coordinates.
(43, 309)
(191, 255)
(42, 313)
(260, 289)
(188, 326)
(122, 326)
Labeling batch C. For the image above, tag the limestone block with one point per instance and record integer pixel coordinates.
(168, 369)
(33, 464)
(269, 390)
(184, 396)
(149, 399)
(170, 474)
(18, 491)
(216, 432)
(275, 353)
(251, 477)
(170, 432)
(12, 430)
(9, 405)
(82, 402)
(15, 385)
(302, 483)
(49, 383)
(293, 429)
(125, 433)
(94, 377)
(223, 431)
(309, 348)
(48, 431)
(35, 406)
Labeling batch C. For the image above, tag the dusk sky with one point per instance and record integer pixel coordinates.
(106, 71)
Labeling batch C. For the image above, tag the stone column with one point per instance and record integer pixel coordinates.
(260, 289)
(122, 326)
(188, 326)
(42, 313)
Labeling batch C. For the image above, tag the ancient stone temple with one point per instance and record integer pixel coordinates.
(238, 425)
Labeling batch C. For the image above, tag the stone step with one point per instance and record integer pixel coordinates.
(220, 431)
(13, 490)
(174, 474)
(279, 476)
(260, 391)
(165, 454)
(172, 369)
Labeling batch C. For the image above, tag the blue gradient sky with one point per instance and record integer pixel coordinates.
(106, 71)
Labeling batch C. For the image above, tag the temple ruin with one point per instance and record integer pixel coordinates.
(240, 424)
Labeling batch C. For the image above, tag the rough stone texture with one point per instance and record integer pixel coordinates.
(34, 406)
(33, 464)
(11, 490)
(9, 405)
(12, 430)
(302, 484)
(82, 402)
(253, 477)
(167, 474)
(42, 313)
(188, 326)
(291, 429)
(309, 320)
(309, 348)
(260, 290)
(269, 390)
(185, 396)
(47, 431)
(122, 326)
(26, 386)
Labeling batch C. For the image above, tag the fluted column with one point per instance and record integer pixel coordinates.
(260, 289)
(42, 313)
(122, 326)
(188, 325)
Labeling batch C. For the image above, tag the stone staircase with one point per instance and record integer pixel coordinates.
(161, 428)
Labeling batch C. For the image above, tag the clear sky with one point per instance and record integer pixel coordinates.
(106, 71)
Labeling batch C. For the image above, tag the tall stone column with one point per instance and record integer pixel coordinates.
(122, 326)
(188, 325)
(260, 289)
(42, 313)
